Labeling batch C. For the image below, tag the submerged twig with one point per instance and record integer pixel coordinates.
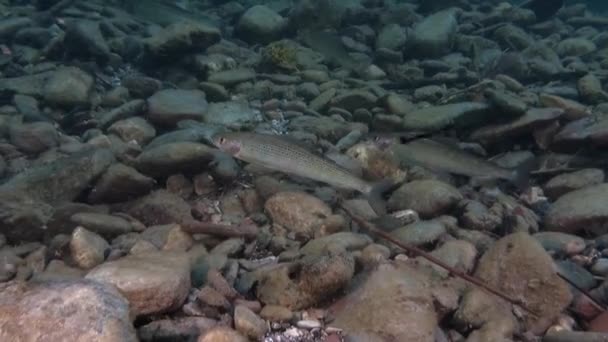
(415, 250)
(594, 302)
(246, 229)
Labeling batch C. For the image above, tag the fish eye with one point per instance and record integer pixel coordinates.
(222, 140)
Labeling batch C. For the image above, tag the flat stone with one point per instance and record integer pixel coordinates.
(179, 157)
(582, 209)
(68, 310)
(120, 183)
(154, 283)
(232, 77)
(62, 180)
(169, 106)
(438, 117)
(568, 182)
(518, 266)
(393, 302)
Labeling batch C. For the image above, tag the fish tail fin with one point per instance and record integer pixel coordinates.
(521, 174)
(374, 195)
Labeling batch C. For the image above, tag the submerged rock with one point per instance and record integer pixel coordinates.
(519, 266)
(68, 310)
(62, 180)
(394, 301)
(579, 210)
(153, 283)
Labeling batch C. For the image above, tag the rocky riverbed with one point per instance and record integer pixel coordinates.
(120, 220)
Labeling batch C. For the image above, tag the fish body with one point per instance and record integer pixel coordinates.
(280, 154)
(442, 157)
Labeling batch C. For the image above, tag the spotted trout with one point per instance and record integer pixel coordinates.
(280, 154)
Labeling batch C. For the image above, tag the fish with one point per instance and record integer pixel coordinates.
(438, 156)
(280, 154)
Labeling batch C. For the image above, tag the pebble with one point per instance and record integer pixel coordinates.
(88, 249)
(248, 323)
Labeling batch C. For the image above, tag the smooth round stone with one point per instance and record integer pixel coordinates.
(600, 267)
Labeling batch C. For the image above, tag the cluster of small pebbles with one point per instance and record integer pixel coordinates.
(120, 221)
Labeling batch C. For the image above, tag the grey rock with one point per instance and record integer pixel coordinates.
(68, 86)
(179, 157)
(434, 35)
(124, 111)
(160, 207)
(135, 129)
(260, 24)
(391, 36)
(429, 198)
(231, 114)
(567, 182)
(354, 99)
(580, 209)
(420, 233)
(181, 37)
(560, 243)
(84, 37)
(9, 26)
(34, 137)
(120, 183)
(573, 47)
(62, 180)
(169, 106)
(103, 224)
(438, 117)
(232, 77)
(215, 92)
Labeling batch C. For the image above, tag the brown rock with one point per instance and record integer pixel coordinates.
(88, 249)
(217, 281)
(153, 283)
(393, 303)
(222, 334)
(492, 317)
(161, 207)
(519, 266)
(212, 297)
(72, 310)
(276, 313)
(309, 282)
(298, 212)
(248, 323)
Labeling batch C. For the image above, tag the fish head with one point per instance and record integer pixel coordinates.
(227, 144)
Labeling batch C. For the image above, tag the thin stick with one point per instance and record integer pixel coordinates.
(415, 250)
(594, 302)
(246, 229)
